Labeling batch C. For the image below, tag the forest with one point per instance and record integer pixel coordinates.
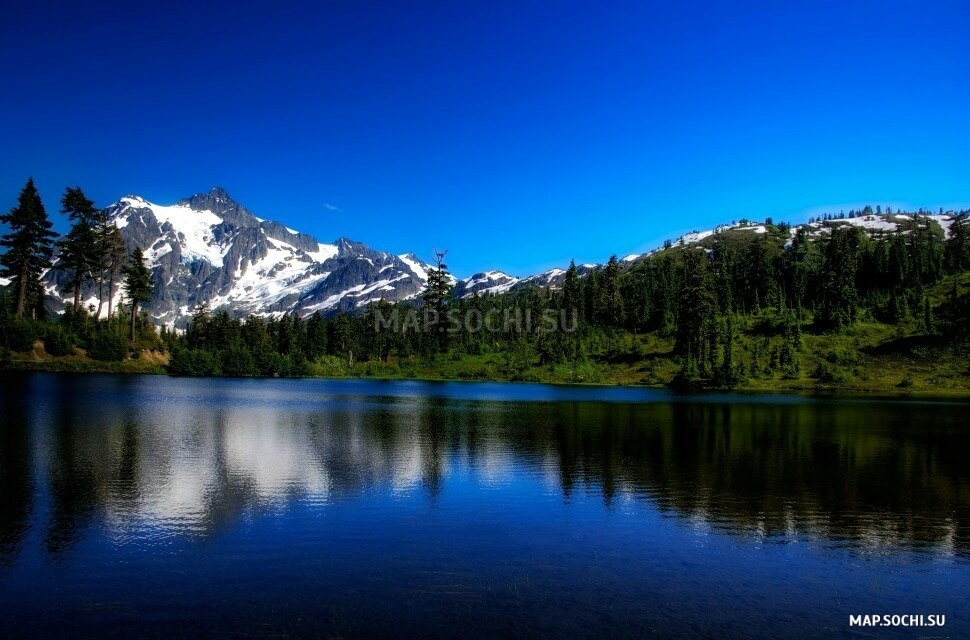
(830, 306)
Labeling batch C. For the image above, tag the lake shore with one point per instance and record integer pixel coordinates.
(601, 374)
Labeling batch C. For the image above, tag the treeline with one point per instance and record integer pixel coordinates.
(821, 284)
(734, 307)
(92, 255)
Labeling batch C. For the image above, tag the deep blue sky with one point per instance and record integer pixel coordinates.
(517, 134)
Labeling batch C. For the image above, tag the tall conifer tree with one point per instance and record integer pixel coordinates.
(839, 298)
(29, 246)
(436, 296)
(115, 256)
(138, 284)
(79, 248)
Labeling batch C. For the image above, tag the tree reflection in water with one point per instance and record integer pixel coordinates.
(865, 475)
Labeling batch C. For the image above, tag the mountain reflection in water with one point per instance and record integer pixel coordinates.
(159, 457)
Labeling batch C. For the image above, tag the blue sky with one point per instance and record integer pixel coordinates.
(517, 135)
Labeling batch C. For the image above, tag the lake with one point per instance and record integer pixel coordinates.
(148, 506)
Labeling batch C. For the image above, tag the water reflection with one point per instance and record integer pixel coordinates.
(16, 483)
(187, 458)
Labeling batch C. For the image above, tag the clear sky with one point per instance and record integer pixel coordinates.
(516, 134)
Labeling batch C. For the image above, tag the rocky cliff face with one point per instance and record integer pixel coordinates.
(210, 250)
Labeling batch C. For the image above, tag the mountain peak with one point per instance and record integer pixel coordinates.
(217, 200)
(220, 203)
(219, 195)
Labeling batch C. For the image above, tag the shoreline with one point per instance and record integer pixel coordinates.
(69, 365)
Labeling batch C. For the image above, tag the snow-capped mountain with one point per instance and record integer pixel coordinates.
(485, 283)
(553, 278)
(873, 225)
(209, 249)
(496, 282)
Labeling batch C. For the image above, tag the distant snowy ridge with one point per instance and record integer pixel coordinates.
(209, 250)
(487, 282)
(872, 224)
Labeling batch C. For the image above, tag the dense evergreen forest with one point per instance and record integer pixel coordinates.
(830, 305)
(741, 309)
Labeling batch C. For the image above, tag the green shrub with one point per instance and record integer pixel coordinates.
(108, 346)
(831, 375)
(193, 362)
(842, 356)
(380, 369)
(329, 367)
(237, 362)
(58, 342)
(288, 366)
(19, 335)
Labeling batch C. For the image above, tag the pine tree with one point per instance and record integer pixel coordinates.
(958, 246)
(138, 284)
(78, 249)
(696, 307)
(610, 304)
(29, 245)
(197, 334)
(115, 255)
(102, 239)
(839, 298)
(436, 296)
(316, 330)
(571, 299)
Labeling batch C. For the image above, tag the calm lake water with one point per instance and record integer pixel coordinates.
(165, 507)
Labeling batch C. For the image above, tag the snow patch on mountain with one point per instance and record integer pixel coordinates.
(415, 265)
(357, 293)
(487, 282)
(873, 223)
(282, 272)
(760, 228)
(694, 236)
(194, 230)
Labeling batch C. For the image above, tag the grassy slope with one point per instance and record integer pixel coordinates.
(38, 359)
(867, 359)
(907, 367)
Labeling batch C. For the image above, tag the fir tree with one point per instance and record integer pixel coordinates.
(436, 296)
(316, 332)
(138, 284)
(958, 246)
(696, 307)
(571, 298)
(610, 303)
(115, 254)
(840, 299)
(78, 249)
(29, 245)
(102, 238)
